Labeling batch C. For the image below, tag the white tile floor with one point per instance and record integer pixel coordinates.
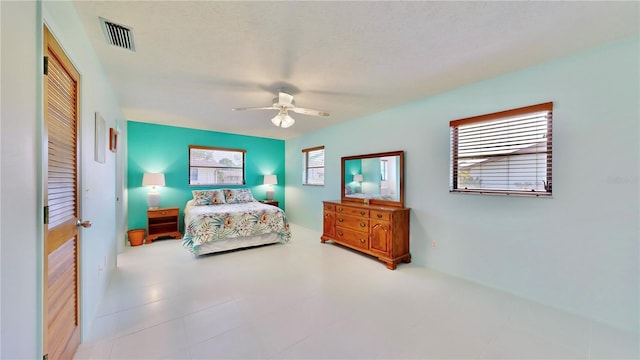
(306, 300)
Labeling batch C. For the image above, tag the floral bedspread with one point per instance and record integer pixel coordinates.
(207, 223)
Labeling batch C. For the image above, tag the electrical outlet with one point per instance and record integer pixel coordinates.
(434, 244)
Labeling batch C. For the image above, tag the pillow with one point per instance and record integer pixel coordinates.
(238, 196)
(208, 197)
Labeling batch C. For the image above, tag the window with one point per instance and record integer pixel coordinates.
(384, 170)
(507, 153)
(313, 163)
(215, 166)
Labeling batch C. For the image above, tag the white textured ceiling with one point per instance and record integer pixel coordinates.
(196, 60)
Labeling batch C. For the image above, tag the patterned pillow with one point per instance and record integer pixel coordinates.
(237, 196)
(208, 197)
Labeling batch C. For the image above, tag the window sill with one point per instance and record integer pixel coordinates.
(504, 193)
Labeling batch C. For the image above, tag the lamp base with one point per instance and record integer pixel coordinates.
(153, 199)
(270, 194)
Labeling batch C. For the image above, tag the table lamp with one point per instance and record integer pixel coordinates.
(153, 180)
(270, 180)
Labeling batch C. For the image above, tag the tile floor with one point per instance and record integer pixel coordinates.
(306, 300)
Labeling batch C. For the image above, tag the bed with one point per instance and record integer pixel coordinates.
(227, 219)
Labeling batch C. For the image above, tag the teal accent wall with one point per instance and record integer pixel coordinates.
(160, 148)
(352, 167)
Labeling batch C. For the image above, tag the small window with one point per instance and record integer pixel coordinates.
(313, 159)
(384, 170)
(506, 153)
(215, 166)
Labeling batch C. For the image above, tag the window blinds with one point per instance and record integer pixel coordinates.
(508, 153)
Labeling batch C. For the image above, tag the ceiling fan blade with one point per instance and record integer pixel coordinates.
(256, 108)
(310, 112)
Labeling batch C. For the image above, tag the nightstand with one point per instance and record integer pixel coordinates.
(163, 222)
(269, 202)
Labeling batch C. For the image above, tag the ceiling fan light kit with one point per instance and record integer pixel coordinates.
(283, 120)
(284, 102)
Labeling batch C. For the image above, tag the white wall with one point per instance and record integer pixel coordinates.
(577, 251)
(19, 194)
(98, 181)
(21, 124)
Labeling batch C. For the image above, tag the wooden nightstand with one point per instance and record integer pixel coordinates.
(163, 222)
(270, 202)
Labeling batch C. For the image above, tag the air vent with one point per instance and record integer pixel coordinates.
(118, 35)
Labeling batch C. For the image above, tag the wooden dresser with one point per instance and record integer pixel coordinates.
(379, 231)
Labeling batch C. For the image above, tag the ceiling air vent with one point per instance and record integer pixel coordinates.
(118, 35)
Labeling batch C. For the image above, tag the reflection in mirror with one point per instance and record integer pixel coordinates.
(373, 177)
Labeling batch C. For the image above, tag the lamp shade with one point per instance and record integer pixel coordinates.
(270, 179)
(153, 179)
(357, 177)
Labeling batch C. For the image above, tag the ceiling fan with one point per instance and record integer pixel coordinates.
(284, 102)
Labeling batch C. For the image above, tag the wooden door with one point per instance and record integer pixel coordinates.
(61, 313)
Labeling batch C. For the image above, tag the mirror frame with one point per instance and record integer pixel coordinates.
(399, 203)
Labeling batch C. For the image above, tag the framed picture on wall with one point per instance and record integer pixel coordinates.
(113, 140)
(101, 138)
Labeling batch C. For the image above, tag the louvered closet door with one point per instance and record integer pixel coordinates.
(61, 313)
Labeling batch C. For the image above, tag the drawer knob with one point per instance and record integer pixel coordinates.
(379, 216)
(363, 241)
(164, 213)
(340, 209)
(362, 224)
(340, 219)
(340, 233)
(362, 213)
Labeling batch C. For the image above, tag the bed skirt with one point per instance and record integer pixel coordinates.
(237, 243)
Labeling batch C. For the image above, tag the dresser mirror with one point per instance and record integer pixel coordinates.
(375, 179)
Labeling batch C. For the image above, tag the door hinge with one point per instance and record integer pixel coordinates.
(46, 65)
(45, 357)
(46, 215)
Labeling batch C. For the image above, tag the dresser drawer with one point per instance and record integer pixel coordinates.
(347, 210)
(380, 215)
(352, 238)
(162, 213)
(352, 222)
(329, 207)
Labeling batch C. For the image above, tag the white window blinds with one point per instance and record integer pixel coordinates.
(508, 152)
(313, 162)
